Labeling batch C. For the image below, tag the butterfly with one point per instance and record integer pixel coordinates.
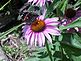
(29, 14)
(30, 17)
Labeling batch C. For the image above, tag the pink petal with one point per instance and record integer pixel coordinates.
(44, 10)
(78, 15)
(51, 27)
(48, 0)
(53, 31)
(34, 1)
(38, 1)
(28, 31)
(63, 22)
(41, 17)
(36, 38)
(42, 3)
(32, 39)
(25, 28)
(52, 23)
(28, 37)
(30, 0)
(79, 11)
(51, 19)
(40, 39)
(48, 36)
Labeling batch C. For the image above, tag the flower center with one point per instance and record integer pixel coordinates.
(38, 25)
(70, 13)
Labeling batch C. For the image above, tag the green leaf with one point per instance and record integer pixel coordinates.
(52, 7)
(70, 46)
(10, 30)
(77, 4)
(71, 50)
(5, 5)
(32, 59)
(76, 58)
(76, 41)
(45, 59)
(64, 6)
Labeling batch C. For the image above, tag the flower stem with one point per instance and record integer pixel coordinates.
(5, 5)
(49, 52)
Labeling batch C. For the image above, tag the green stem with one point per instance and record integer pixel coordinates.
(5, 5)
(49, 52)
(10, 30)
(61, 53)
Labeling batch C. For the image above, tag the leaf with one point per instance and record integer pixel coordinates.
(10, 30)
(61, 56)
(76, 41)
(71, 50)
(68, 43)
(52, 7)
(45, 59)
(76, 58)
(5, 5)
(64, 6)
(32, 59)
(77, 4)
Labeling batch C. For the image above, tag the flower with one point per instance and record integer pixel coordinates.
(39, 2)
(70, 16)
(36, 32)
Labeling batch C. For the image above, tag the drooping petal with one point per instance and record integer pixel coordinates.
(51, 27)
(27, 37)
(28, 31)
(42, 3)
(42, 38)
(32, 39)
(76, 28)
(34, 1)
(53, 23)
(41, 17)
(38, 1)
(30, 0)
(25, 28)
(53, 31)
(78, 15)
(43, 11)
(51, 19)
(79, 30)
(48, 0)
(79, 11)
(48, 36)
(63, 22)
(36, 38)
(39, 40)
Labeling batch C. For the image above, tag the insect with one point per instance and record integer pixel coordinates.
(29, 14)
(29, 17)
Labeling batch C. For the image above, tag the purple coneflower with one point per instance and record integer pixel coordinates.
(70, 16)
(39, 29)
(39, 2)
